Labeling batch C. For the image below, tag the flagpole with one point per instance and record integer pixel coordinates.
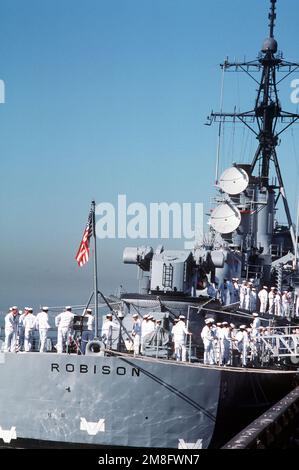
(95, 270)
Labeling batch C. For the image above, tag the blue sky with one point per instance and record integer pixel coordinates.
(108, 97)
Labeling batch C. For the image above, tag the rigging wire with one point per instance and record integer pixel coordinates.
(242, 144)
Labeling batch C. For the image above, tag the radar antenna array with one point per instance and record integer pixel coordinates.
(225, 218)
(234, 180)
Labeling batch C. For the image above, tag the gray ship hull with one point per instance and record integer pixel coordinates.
(62, 400)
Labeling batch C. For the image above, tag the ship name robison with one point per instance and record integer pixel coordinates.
(94, 369)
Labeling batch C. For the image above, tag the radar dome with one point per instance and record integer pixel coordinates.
(225, 218)
(270, 45)
(233, 180)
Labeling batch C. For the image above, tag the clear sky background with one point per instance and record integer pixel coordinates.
(108, 97)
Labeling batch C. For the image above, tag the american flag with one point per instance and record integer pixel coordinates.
(82, 255)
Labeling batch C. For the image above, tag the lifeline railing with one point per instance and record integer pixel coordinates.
(280, 345)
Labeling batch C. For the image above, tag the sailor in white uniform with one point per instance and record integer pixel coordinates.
(147, 327)
(286, 303)
(175, 320)
(271, 300)
(208, 336)
(243, 344)
(29, 325)
(225, 292)
(236, 290)
(64, 321)
(248, 296)
(180, 333)
(256, 325)
(136, 333)
(253, 300)
(263, 296)
(225, 348)
(278, 305)
(107, 331)
(21, 332)
(88, 332)
(243, 292)
(11, 330)
(42, 325)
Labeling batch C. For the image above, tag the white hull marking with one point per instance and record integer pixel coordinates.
(190, 445)
(8, 435)
(92, 428)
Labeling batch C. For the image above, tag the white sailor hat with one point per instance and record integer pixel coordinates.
(89, 310)
(150, 317)
(273, 287)
(68, 307)
(110, 315)
(26, 308)
(14, 307)
(120, 314)
(158, 320)
(224, 323)
(218, 323)
(30, 309)
(232, 325)
(242, 327)
(135, 315)
(255, 314)
(45, 308)
(209, 320)
(146, 316)
(176, 319)
(182, 317)
(265, 287)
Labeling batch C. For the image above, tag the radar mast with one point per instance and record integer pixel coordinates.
(267, 120)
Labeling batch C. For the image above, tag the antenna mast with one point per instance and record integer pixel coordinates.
(267, 114)
(272, 18)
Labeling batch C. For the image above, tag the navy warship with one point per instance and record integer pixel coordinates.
(112, 397)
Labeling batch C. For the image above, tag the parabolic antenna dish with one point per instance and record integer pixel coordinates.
(234, 180)
(225, 218)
